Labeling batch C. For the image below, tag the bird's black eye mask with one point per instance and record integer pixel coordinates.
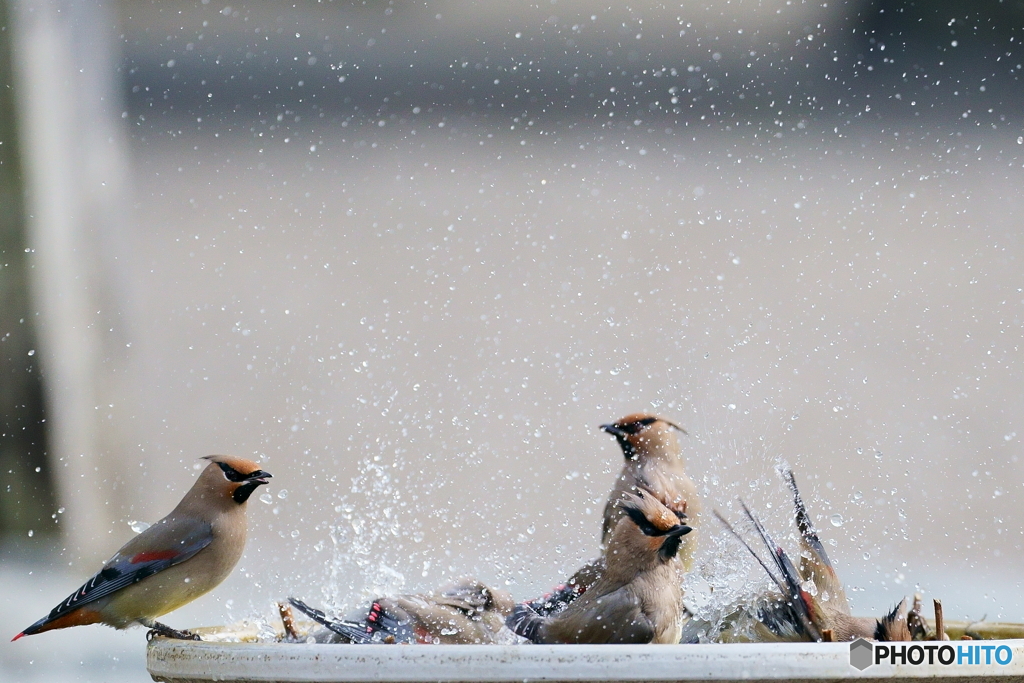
(231, 474)
(622, 432)
(635, 427)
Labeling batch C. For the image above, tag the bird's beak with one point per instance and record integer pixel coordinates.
(613, 430)
(259, 477)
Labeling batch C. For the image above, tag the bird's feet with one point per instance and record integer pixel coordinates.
(158, 629)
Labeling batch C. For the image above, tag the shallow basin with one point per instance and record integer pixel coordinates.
(178, 661)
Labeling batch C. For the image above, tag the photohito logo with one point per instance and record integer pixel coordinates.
(864, 653)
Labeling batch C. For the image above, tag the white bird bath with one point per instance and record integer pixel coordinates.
(178, 661)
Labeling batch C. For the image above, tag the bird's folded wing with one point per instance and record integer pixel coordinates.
(615, 617)
(166, 543)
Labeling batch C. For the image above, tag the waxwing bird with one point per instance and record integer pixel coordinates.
(637, 598)
(465, 612)
(184, 555)
(798, 613)
(653, 464)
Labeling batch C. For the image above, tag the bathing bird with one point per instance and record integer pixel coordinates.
(811, 603)
(637, 598)
(653, 463)
(462, 613)
(181, 557)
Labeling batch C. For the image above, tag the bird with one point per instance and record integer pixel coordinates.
(183, 556)
(637, 599)
(464, 612)
(653, 463)
(812, 603)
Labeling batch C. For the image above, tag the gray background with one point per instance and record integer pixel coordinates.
(414, 294)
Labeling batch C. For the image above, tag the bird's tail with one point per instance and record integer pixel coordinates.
(357, 633)
(78, 617)
(801, 606)
(808, 534)
(814, 562)
(893, 626)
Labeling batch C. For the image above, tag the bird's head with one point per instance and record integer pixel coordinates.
(662, 528)
(235, 477)
(642, 434)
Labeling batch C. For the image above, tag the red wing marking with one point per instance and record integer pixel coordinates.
(154, 555)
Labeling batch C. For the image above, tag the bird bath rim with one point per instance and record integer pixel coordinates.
(176, 661)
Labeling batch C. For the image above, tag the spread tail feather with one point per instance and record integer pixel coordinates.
(378, 627)
(801, 601)
(893, 626)
(803, 520)
(783, 573)
(357, 633)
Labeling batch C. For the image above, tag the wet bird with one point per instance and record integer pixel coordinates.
(181, 557)
(637, 598)
(653, 463)
(465, 612)
(811, 604)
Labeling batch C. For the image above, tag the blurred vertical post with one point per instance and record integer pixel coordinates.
(74, 152)
(27, 500)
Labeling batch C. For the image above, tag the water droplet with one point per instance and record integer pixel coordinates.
(531, 529)
(878, 455)
(836, 519)
(867, 555)
(266, 498)
(282, 494)
(858, 495)
(295, 533)
(137, 527)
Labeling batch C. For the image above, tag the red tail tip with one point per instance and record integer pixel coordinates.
(17, 636)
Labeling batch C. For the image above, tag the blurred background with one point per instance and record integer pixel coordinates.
(410, 255)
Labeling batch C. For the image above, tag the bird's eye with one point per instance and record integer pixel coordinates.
(230, 473)
(635, 427)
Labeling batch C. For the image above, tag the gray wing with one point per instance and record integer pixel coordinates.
(166, 543)
(615, 617)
